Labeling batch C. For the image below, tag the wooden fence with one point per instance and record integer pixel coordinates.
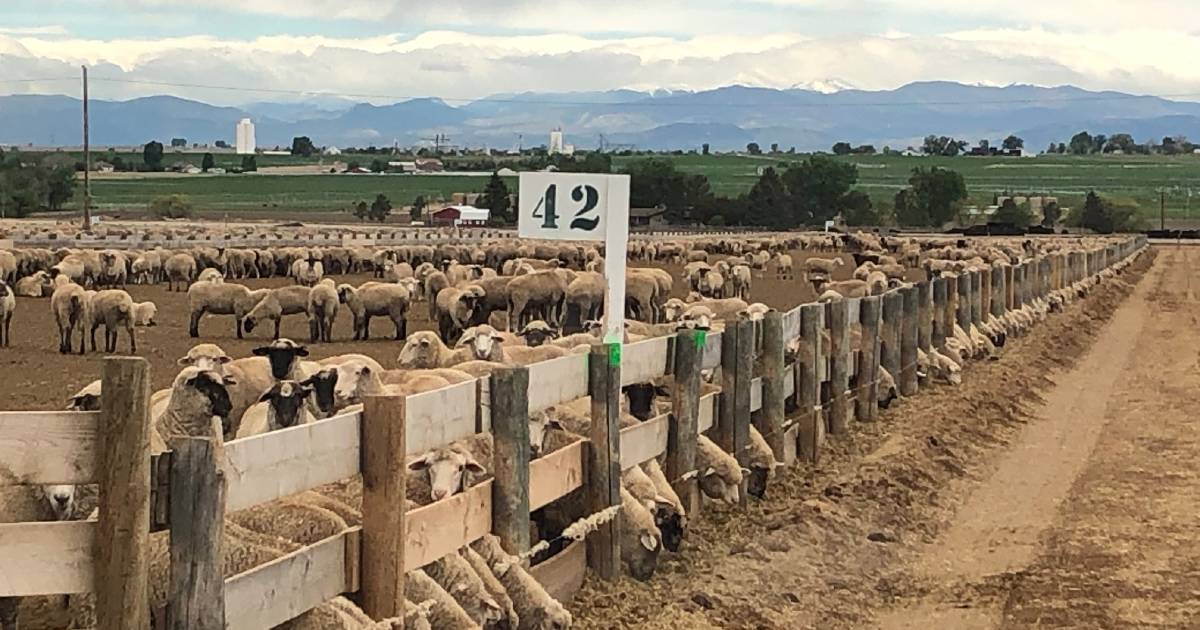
(807, 356)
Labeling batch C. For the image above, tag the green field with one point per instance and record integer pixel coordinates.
(1129, 180)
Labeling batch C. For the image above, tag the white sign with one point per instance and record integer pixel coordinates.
(583, 207)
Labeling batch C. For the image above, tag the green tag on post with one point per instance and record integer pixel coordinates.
(614, 354)
(700, 337)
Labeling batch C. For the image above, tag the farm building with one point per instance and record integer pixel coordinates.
(461, 215)
(647, 217)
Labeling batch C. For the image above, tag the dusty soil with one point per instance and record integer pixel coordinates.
(982, 506)
(37, 377)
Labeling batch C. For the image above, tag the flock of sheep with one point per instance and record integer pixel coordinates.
(495, 304)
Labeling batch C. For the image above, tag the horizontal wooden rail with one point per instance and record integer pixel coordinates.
(49, 447)
(643, 441)
(290, 586)
(645, 360)
(444, 526)
(557, 381)
(276, 464)
(562, 574)
(555, 475)
(712, 351)
(441, 416)
(708, 412)
(46, 558)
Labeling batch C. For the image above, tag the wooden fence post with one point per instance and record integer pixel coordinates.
(510, 459)
(812, 421)
(985, 292)
(997, 290)
(121, 549)
(976, 297)
(838, 313)
(196, 595)
(941, 306)
(737, 370)
(772, 416)
(907, 379)
(925, 315)
(870, 312)
(893, 322)
(682, 430)
(384, 477)
(604, 457)
(1010, 287)
(963, 312)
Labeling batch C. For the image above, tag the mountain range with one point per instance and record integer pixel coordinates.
(810, 117)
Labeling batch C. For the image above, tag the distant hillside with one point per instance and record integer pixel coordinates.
(725, 118)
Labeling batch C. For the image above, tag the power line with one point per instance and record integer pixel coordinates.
(45, 80)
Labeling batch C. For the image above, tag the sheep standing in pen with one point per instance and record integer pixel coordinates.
(455, 309)
(374, 299)
(535, 607)
(425, 349)
(114, 309)
(322, 308)
(8, 306)
(275, 305)
(281, 407)
(211, 275)
(308, 271)
(179, 269)
(221, 299)
(783, 266)
(144, 314)
(68, 304)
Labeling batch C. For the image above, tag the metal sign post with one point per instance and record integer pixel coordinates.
(583, 207)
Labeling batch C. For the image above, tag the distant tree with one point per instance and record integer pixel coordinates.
(774, 147)
(207, 162)
(171, 207)
(495, 198)
(1012, 143)
(906, 211)
(933, 198)
(753, 149)
(704, 148)
(60, 186)
(942, 145)
(1168, 146)
(1062, 148)
(249, 164)
(1105, 218)
(178, 143)
(1098, 142)
(378, 166)
(1122, 142)
(1081, 143)
(1011, 213)
(842, 148)
(857, 209)
(1053, 148)
(985, 145)
(1051, 213)
(303, 145)
(361, 211)
(152, 155)
(768, 201)
(865, 149)
(221, 144)
(816, 188)
(656, 182)
(380, 208)
(418, 208)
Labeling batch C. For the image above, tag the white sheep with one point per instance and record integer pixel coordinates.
(373, 299)
(221, 299)
(114, 309)
(535, 607)
(8, 306)
(308, 271)
(144, 314)
(196, 397)
(454, 574)
(211, 275)
(322, 311)
(34, 286)
(424, 349)
(640, 538)
(719, 472)
(275, 305)
(180, 269)
(69, 305)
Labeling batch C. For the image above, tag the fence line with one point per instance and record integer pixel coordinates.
(791, 358)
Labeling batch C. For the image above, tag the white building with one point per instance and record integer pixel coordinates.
(556, 142)
(245, 137)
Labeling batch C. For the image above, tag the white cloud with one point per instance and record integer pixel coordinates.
(53, 29)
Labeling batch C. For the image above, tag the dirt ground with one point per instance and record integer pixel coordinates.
(37, 377)
(1056, 488)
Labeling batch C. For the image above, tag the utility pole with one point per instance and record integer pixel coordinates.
(87, 160)
(1162, 210)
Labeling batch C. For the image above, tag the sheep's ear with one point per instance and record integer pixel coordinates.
(302, 351)
(553, 423)
(649, 542)
(419, 464)
(270, 393)
(522, 332)
(228, 380)
(498, 338)
(659, 390)
(745, 471)
(474, 467)
(660, 500)
(262, 352)
(184, 361)
(709, 471)
(223, 359)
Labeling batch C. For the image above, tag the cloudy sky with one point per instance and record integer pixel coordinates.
(386, 50)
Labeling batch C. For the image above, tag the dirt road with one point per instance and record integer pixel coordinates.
(1059, 488)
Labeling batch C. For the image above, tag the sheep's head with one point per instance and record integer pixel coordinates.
(345, 293)
(4, 290)
(355, 380)
(449, 469)
(61, 500)
(322, 385)
(723, 484)
(641, 398)
(886, 391)
(286, 399)
(483, 340)
(409, 284)
(755, 312)
(282, 355)
(86, 399)
(673, 308)
(539, 424)
(537, 332)
(204, 388)
(205, 356)
(420, 350)
(830, 296)
(701, 315)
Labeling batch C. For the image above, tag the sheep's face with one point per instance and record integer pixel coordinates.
(448, 470)
(671, 524)
(715, 486)
(756, 481)
(286, 399)
(61, 500)
(673, 308)
(206, 356)
(4, 290)
(539, 424)
(537, 333)
(282, 355)
(353, 379)
(483, 342)
(641, 558)
(212, 386)
(84, 401)
(641, 399)
(420, 350)
(322, 385)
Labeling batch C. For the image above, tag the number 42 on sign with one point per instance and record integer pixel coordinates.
(582, 207)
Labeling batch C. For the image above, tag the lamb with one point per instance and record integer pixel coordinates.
(524, 355)
(669, 516)
(340, 613)
(720, 473)
(73, 267)
(373, 299)
(712, 285)
(727, 308)
(68, 304)
(144, 314)
(586, 294)
(251, 376)
(534, 606)
(640, 539)
(280, 407)
(275, 304)
(8, 306)
(455, 309)
(432, 282)
(113, 269)
(179, 268)
(877, 283)
(742, 279)
(221, 299)
(887, 390)
(484, 343)
(147, 268)
(33, 286)
(761, 463)
(823, 267)
(450, 469)
(493, 586)
(113, 308)
(943, 368)
(86, 399)
(322, 308)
